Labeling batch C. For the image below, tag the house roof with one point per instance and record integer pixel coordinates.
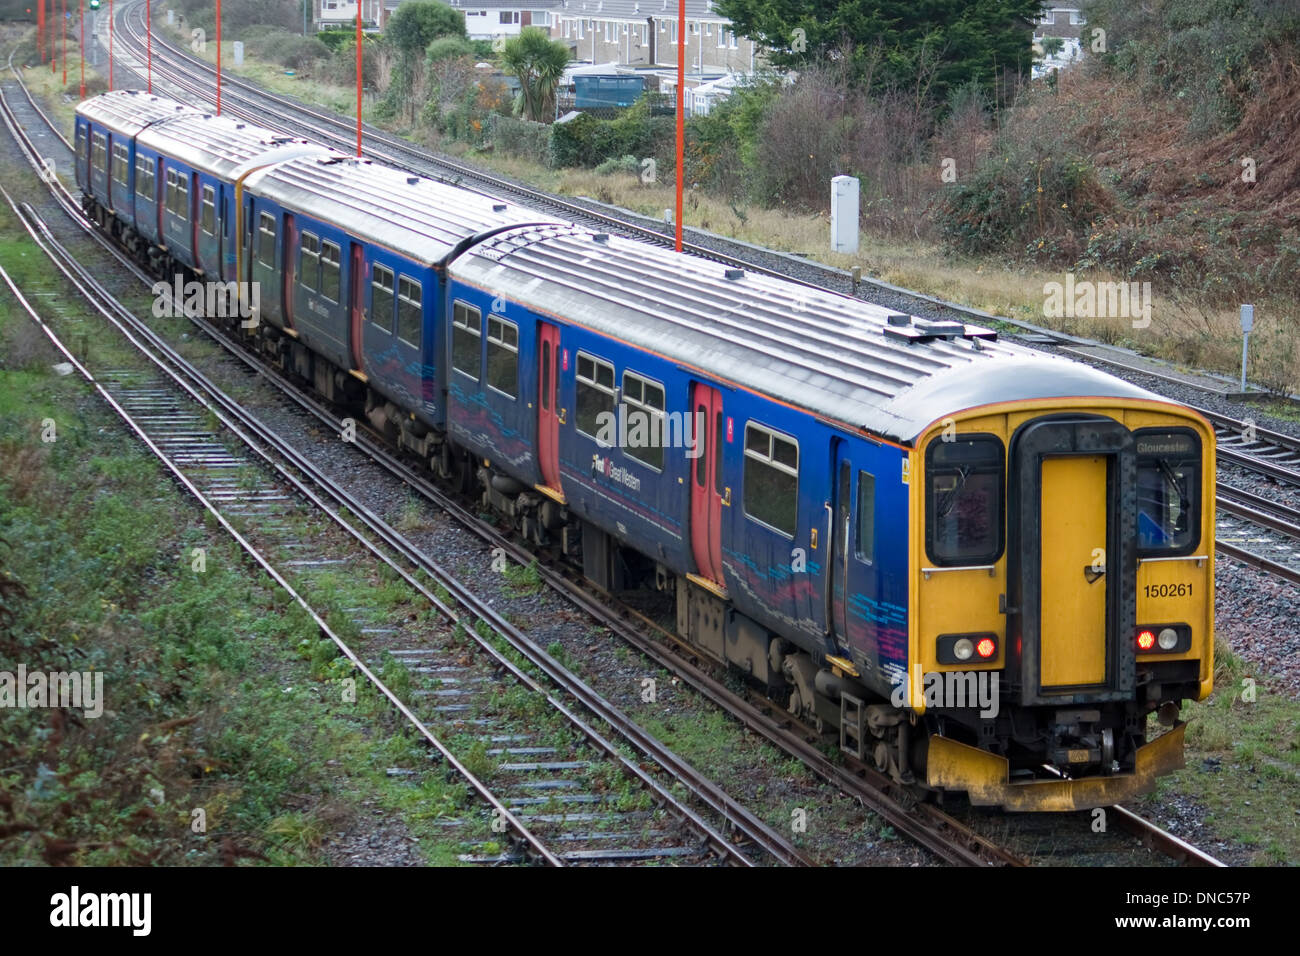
(638, 10)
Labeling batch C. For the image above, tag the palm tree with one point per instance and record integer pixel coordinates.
(538, 62)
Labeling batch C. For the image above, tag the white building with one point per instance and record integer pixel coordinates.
(489, 19)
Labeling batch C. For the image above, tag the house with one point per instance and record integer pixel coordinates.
(643, 33)
(1064, 22)
(338, 14)
(488, 19)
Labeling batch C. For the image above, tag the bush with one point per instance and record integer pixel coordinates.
(621, 164)
(587, 141)
(519, 137)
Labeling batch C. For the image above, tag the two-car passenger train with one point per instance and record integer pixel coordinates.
(983, 567)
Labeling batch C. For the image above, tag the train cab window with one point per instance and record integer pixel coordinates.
(331, 279)
(99, 152)
(466, 329)
(645, 420)
(865, 545)
(595, 393)
(265, 236)
(771, 478)
(381, 298)
(121, 164)
(503, 356)
(182, 197)
(410, 312)
(309, 262)
(81, 143)
(208, 215)
(144, 178)
(964, 494)
(1168, 491)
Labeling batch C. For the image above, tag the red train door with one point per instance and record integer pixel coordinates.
(706, 481)
(548, 413)
(195, 205)
(358, 302)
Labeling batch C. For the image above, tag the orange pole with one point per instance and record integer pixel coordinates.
(218, 57)
(358, 79)
(63, 28)
(40, 29)
(53, 37)
(81, 20)
(148, 44)
(681, 119)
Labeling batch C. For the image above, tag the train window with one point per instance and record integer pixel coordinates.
(595, 393)
(330, 272)
(144, 178)
(169, 199)
(645, 419)
(771, 478)
(964, 478)
(208, 218)
(81, 143)
(410, 311)
(99, 151)
(183, 198)
(466, 328)
(865, 547)
(265, 235)
(309, 262)
(503, 356)
(121, 163)
(546, 376)
(1168, 491)
(381, 298)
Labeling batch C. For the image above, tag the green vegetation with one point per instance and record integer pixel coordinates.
(538, 62)
(892, 43)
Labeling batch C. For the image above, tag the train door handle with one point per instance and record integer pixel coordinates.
(564, 416)
(726, 499)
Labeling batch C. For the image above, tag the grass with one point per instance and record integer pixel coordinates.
(1243, 763)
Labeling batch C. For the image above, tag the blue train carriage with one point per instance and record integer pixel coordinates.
(104, 151)
(187, 174)
(854, 521)
(351, 258)
(703, 429)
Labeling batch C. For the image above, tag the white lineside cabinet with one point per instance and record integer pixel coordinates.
(844, 214)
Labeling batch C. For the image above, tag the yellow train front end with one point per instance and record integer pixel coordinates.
(1063, 587)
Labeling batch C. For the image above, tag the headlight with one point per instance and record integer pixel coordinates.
(1168, 639)
(963, 649)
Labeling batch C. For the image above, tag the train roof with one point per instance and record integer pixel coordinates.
(411, 215)
(129, 111)
(222, 146)
(830, 354)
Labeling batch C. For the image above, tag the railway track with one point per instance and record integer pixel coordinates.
(943, 834)
(559, 808)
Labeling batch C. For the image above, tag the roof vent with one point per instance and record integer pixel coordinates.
(898, 318)
(941, 328)
(499, 207)
(412, 180)
(735, 273)
(600, 237)
(239, 126)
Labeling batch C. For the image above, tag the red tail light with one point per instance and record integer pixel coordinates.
(986, 648)
(1146, 640)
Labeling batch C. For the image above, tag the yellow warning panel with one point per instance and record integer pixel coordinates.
(1074, 582)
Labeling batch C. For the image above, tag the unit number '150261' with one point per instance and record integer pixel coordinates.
(1168, 590)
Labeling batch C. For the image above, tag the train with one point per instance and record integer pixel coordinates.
(981, 568)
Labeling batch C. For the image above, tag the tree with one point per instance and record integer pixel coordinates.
(538, 62)
(893, 42)
(418, 23)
